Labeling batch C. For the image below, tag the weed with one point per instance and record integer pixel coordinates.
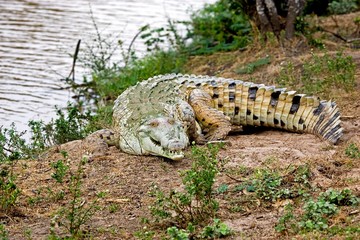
(352, 151)
(250, 67)
(156, 38)
(321, 74)
(192, 208)
(60, 170)
(4, 235)
(12, 148)
(316, 213)
(76, 213)
(216, 230)
(9, 192)
(113, 208)
(287, 221)
(196, 204)
(145, 234)
(222, 188)
(12, 144)
(270, 185)
(177, 234)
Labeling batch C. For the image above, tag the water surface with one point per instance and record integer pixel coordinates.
(36, 38)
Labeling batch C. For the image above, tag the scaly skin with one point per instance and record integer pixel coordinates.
(161, 115)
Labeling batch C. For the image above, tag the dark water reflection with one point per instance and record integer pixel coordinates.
(37, 36)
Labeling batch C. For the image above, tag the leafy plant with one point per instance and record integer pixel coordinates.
(12, 144)
(4, 235)
(177, 234)
(196, 204)
(76, 213)
(216, 230)
(270, 185)
(287, 221)
(60, 171)
(352, 151)
(218, 27)
(316, 213)
(12, 148)
(320, 74)
(250, 67)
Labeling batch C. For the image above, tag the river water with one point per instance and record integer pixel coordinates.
(37, 36)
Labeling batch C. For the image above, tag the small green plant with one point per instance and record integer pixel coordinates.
(287, 221)
(144, 234)
(216, 230)
(9, 192)
(60, 170)
(251, 67)
(321, 74)
(271, 185)
(72, 217)
(196, 204)
(177, 234)
(4, 235)
(352, 151)
(12, 144)
(316, 213)
(12, 148)
(192, 208)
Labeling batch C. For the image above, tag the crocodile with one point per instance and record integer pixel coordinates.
(162, 115)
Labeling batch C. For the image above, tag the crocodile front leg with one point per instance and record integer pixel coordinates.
(213, 122)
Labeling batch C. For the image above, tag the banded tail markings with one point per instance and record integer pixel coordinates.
(286, 113)
(220, 103)
(226, 100)
(279, 110)
(265, 105)
(250, 104)
(274, 100)
(244, 102)
(238, 100)
(312, 103)
(298, 117)
(317, 117)
(257, 105)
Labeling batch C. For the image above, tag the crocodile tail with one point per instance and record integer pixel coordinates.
(300, 113)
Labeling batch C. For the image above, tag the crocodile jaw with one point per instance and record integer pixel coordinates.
(163, 136)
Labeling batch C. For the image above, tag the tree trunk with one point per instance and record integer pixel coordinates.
(295, 8)
(264, 21)
(274, 17)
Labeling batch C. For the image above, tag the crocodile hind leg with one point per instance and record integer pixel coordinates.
(213, 122)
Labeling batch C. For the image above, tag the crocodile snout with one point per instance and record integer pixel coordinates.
(175, 145)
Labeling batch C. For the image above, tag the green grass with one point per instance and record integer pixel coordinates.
(320, 75)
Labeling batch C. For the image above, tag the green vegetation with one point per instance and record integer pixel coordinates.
(352, 151)
(251, 67)
(4, 235)
(218, 27)
(342, 6)
(320, 74)
(191, 209)
(71, 218)
(316, 214)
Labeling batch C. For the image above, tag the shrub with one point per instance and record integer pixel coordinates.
(218, 27)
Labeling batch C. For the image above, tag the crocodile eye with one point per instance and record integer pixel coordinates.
(171, 121)
(154, 123)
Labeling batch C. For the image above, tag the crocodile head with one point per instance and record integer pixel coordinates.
(161, 136)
